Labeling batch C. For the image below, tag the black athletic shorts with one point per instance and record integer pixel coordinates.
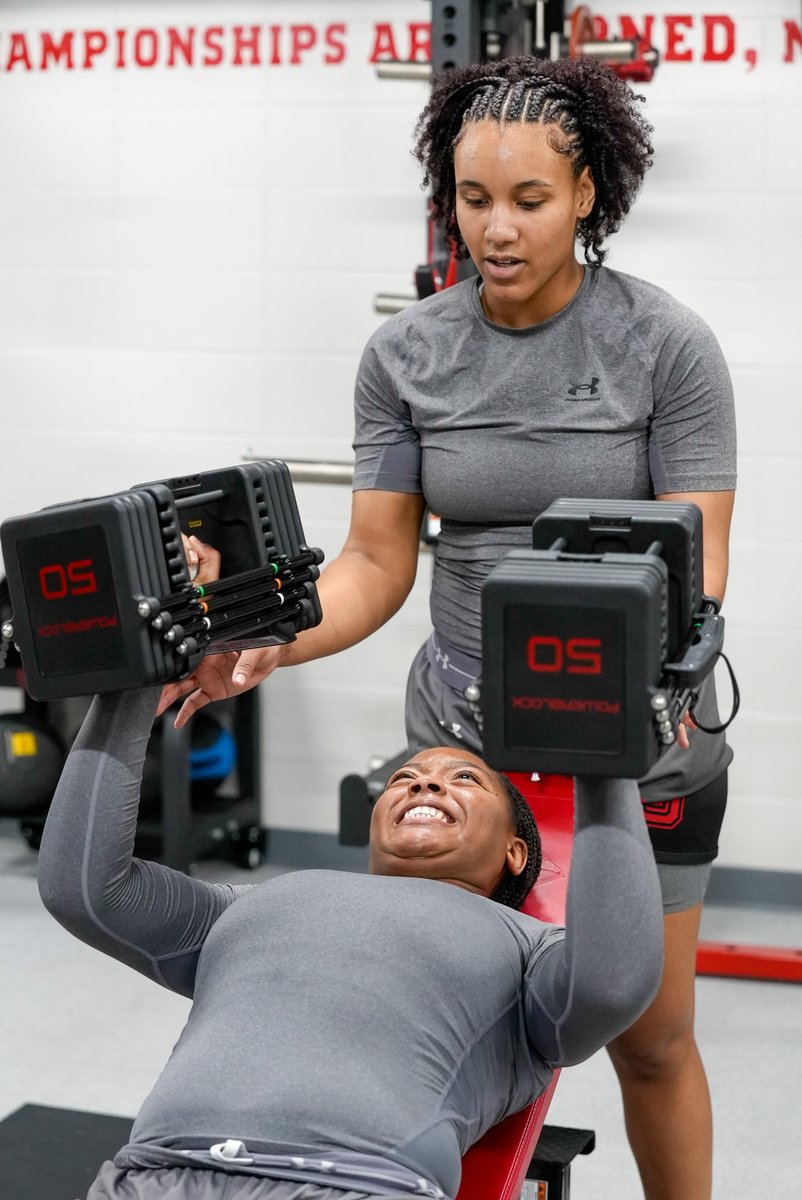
(686, 829)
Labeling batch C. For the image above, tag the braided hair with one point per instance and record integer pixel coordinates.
(592, 119)
(514, 889)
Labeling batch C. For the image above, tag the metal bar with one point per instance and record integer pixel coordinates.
(310, 470)
(387, 303)
(540, 25)
(617, 51)
(395, 69)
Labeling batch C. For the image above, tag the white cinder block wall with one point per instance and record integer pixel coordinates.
(188, 256)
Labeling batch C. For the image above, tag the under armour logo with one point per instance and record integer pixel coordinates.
(442, 658)
(588, 389)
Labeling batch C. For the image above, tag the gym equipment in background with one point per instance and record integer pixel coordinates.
(211, 760)
(32, 749)
(10, 661)
(31, 758)
(101, 594)
(201, 784)
(471, 31)
(193, 806)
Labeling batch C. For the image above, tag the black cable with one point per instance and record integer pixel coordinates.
(736, 702)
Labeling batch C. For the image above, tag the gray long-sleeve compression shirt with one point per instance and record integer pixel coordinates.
(357, 1030)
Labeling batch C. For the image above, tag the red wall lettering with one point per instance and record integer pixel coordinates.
(718, 31)
(56, 50)
(146, 48)
(183, 43)
(793, 40)
(675, 34)
(336, 48)
(420, 41)
(95, 42)
(212, 41)
(630, 30)
(302, 38)
(383, 43)
(275, 50)
(688, 37)
(19, 52)
(246, 41)
(719, 39)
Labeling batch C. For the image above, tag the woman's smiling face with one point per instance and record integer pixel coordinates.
(445, 815)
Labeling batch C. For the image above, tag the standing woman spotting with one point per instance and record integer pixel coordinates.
(544, 376)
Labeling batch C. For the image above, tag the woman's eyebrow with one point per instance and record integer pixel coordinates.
(452, 765)
(525, 183)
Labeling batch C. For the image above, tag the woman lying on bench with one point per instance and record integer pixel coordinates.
(352, 1035)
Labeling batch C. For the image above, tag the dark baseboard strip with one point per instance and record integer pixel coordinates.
(299, 848)
(755, 889)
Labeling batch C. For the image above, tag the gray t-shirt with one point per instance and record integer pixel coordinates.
(357, 1029)
(623, 394)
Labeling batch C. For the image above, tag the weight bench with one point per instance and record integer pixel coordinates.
(496, 1167)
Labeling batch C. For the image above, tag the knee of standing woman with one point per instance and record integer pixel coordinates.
(661, 1055)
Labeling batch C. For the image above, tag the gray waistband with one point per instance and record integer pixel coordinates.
(341, 1169)
(454, 667)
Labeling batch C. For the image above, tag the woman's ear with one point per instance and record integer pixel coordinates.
(517, 856)
(585, 193)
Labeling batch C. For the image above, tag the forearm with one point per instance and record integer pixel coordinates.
(138, 912)
(360, 590)
(96, 803)
(607, 971)
(716, 509)
(357, 596)
(716, 569)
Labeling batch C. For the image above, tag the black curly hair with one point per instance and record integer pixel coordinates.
(595, 120)
(514, 889)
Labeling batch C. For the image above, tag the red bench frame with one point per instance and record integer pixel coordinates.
(495, 1167)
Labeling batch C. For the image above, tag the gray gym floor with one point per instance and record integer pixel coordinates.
(80, 1031)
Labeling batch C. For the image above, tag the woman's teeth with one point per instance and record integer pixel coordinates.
(424, 812)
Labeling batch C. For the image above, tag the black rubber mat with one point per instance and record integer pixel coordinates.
(55, 1153)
